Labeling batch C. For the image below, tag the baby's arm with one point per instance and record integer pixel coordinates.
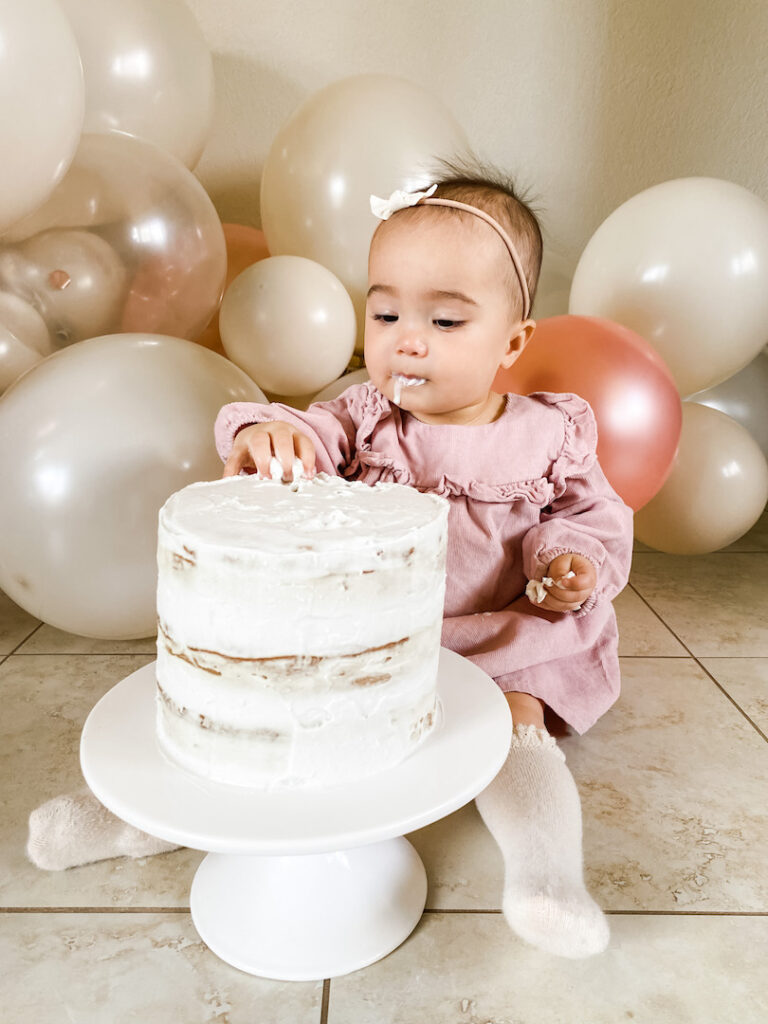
(591, 524)
(323, 436)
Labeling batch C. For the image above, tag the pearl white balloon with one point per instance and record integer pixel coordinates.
(24, 338)
(715, 492)
(92, 442)
(41, 103)
(743, 397)
(134, 234)
(148, 72)
(684, 264)
(78, 281)
(289, 323)
(339, 386)
(360, 135)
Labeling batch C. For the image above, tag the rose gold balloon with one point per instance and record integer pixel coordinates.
(245, 246)
(630, 389)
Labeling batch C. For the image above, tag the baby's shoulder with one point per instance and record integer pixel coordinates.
(565, 419)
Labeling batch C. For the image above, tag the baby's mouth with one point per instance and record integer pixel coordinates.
(404, 381)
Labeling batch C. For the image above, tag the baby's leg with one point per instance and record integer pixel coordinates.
(76, 829)
(532, 810)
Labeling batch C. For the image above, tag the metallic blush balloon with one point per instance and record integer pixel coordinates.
(631, 392)
(92, 442)
(361, 135)
(716, 491)
(41, 103)
(148, 72)
(684, 264)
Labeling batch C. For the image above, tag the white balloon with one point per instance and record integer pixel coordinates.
(339, 386)
(148, 72)
(24, 338)
(715, 492)
(75, 278)
(289, 323)
(360, 135)
(92, 442)
(41, 103)
(743, 397)
(684, 264)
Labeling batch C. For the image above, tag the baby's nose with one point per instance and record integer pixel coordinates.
(411, 343)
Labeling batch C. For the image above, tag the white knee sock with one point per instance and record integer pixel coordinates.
(532, 810)
(77, 829)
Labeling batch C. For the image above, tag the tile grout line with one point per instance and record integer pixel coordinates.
(325, 1001)
(695, 659)
(21, 643)
(429, 910)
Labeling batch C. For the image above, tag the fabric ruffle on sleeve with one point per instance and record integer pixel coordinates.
(579, 450)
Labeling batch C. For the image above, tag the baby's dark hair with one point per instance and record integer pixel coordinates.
(480, 184)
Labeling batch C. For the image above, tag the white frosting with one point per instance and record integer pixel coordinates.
(536, 590)
(299, 627)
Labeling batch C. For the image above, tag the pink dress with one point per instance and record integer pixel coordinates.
(522, 490)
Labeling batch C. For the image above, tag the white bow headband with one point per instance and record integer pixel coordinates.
(400, 200)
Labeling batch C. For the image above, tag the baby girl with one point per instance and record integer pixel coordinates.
(539, 543)
(452, 273)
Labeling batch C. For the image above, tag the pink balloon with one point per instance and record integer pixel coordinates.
(632, 393)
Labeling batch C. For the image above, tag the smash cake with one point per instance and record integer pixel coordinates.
(298, 628)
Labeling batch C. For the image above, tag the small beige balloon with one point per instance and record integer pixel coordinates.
(360, 135)
(24, 338)
(683, 264)
(75, 278)
(716, 490)
(289, 323)
(339, 386)
(92, 442)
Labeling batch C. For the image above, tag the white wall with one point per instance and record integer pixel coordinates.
(586, 101)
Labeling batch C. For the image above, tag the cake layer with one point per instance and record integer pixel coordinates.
(299, 628)
(323, 553)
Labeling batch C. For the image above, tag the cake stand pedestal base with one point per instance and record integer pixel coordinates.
(308, 917)
(308, 883)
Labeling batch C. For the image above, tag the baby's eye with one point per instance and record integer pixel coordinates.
(386, 318)
(447, 325)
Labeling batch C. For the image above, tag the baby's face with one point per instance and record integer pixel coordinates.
(438, 314)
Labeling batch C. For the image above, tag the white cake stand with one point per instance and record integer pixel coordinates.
(300, 884)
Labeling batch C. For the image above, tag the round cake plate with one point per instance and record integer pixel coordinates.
(300, 884)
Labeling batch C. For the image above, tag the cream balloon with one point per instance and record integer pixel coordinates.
(24, 338)
(716, 491)
(683, 264)
(76, 279)
(161, 225)
(339, 386)
(743, 397)
(360, 135)
(289, 323)
(148, 72)
(92, 442)
(41, 103)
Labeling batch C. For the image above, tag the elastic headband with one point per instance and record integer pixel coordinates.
(400, 200)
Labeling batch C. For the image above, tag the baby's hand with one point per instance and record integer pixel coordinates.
(255, 446)
(568, 595)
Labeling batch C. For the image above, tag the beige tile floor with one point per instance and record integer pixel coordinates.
(673, 782)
